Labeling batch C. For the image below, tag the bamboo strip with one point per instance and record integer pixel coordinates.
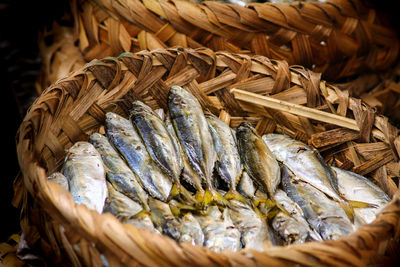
(310, 113)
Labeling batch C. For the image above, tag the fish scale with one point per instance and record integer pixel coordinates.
(259, 162)
(86, 175)
(128, 142)
(323, 214)
(193, 134)
(118, 173)
(308, 166)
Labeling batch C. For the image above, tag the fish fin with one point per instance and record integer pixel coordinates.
(273, 207)
(211, 196)
(233, 194)
(145, 206)
(348, 209)
(177, 208)
(173, 192)
(267, 202)
(361, 204)
(199, 196)
(273, 212)
(182, 193)
(258, 211)
(187, 196)
(142, 214)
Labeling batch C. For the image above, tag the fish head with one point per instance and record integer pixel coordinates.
(245, 131)
(333, 228)
(178, 93)
(170, 229)
(83, 148)
(274, 137)
(140, 107)
(180, 98)
(113, 119)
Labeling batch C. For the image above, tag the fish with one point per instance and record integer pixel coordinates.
(323, 214)
(118, 172)
(127, 141)
(59, 178)
(86, 175)
(194, 136)
(190, 230)
(187, 174)
(246, 186)
(163, 219)
(228, 164)
(308, 166)
(259, 162)
(120, 205)
(159, 145)
(356, 187)
(219, 231)
(293, 228)
(253, 228)
(142, 220)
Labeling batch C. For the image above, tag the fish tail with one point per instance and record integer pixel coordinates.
(272, 207)
(199, 196)
(235, 195)
(173, 192)
(361, 204)
(348, 209)
(211, 196)
(145, 206)
(142, 214)
(177, 208)
(188, 197)
(178, 190)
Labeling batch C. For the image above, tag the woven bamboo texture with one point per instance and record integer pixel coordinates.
(338, 38)
(236, 88)
(61, 56)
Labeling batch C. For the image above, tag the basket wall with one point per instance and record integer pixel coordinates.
(338, 38)
(74, 107)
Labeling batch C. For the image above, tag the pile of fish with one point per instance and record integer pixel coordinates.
(186, 174)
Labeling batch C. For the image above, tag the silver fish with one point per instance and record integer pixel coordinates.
(219, 232)
(129, 144)
(308, 166)
(85, 171)
(120, 205)
(163, 219)
(188, 174)
(142, 221)
(190, 230)
(118, 172)
(159, 144)
(292, 227)
(246, 186)
(193, 134)
(359, 188)
(228, 164)
(322, 213)
(253, 228)
(259, 162)
(59, 178)
(160, 113)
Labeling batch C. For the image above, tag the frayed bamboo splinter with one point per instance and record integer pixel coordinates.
(295, 109)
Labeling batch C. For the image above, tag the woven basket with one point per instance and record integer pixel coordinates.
(236, 88)
(61, 55)
(378, 90)
(338, 38)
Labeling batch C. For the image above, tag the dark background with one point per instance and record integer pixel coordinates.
(20, 23)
